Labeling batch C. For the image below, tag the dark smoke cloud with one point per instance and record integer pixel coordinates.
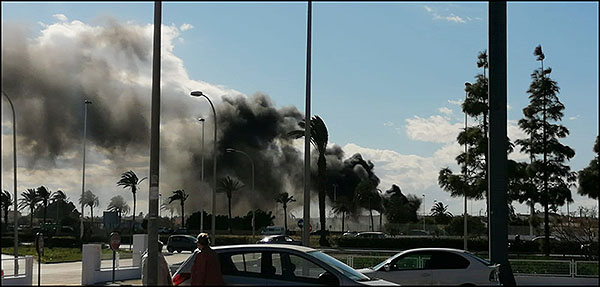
(49, 84)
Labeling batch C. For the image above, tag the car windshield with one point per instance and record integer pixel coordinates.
(485, 262)
(339, 266)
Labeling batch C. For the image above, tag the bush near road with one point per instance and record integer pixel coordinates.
(61, 254)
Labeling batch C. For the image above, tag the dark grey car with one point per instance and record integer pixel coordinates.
(180, 243)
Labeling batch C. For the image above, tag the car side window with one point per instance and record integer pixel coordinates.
(241, 263)
(411, 261)
(448, 260)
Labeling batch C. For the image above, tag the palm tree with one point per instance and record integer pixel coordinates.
(29, 198)
(343, 205)
(130, 180)
(90, 199)
(44, 196)
(229, 185)
(284, 198)
(6, 203)
(166, 205)
(119, 205)
(440, 211)
(367, 196)
(319, 138)
(182, 197)
(60, 198)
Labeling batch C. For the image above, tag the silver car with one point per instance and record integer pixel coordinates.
(279, 264)
(436, 266)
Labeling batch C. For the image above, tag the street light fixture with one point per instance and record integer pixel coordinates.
(201, 120)
(15, 216)
(85, 107)
(252, 162)
(214, 189)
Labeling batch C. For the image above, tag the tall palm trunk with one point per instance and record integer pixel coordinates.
(182, 216)
(285, 218)
(371, 215)
(31, 216)
(321, 165)
(6, 217)
(45, 209)
(133, 224)
(91, 215)
(380, 222)
(229, 207)
(343, 217)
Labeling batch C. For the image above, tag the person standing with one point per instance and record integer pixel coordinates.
(207, 268)
(164, 274)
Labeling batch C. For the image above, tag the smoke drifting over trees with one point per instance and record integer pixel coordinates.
(49, 77)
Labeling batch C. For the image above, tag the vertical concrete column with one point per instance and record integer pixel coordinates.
(28, 270)
(90, 263)
(140, 244)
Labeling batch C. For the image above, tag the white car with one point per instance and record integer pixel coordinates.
(436, 266)
(279, 264)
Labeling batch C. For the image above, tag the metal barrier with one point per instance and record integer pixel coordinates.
(24, 275)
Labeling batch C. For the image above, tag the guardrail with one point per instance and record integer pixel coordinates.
(531, 267)
(24, 274)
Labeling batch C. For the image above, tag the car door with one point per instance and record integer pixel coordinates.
(242, 268)
(449, 269)
(408, 269)
(292, 269)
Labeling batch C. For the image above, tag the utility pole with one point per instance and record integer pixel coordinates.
(307, 135)
(497, 144)
(154, 151)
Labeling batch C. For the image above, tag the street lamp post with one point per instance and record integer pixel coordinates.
(214, 189)
(15, 216)
(201, 120)
(252, 162)
(465, 234)
(85, 107)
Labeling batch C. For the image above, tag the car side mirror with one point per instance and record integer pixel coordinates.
(328, 279)
(386, 267)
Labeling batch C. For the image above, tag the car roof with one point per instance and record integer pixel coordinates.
(265, 246)
(435, 249)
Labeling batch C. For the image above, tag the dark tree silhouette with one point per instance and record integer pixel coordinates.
(30, 199)
(440, 212)
(130, 180)
(588, 177)
(44, 196)
(6, 203)
(343, 205)
(284, 198)
(319, 138)
(182, 197)
(119, 205)
(548, 171)
(228, 186)
(90, 199)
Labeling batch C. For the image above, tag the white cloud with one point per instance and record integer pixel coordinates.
(186, 27)
(60, 17)
(455, 102)
(388, 124)
(574, 118)
(445, 111)
(433, 129)
(451, 18)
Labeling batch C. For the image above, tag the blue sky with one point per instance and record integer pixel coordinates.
(380, 71)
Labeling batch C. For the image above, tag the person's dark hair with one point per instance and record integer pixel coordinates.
(204, 239)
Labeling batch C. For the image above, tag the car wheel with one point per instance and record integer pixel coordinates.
(178, 251)
(170, 250)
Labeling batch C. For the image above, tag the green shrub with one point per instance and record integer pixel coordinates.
(410, 243)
